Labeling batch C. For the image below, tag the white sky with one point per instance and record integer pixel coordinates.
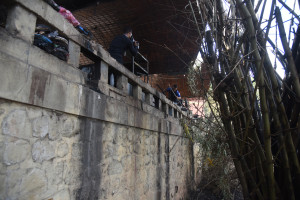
(286, 15)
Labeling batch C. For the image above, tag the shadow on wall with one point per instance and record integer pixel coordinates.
(91, 132)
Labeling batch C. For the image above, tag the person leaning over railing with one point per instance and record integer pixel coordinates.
(174, 94)
(121, 44)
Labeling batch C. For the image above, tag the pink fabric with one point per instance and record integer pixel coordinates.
(69, 16)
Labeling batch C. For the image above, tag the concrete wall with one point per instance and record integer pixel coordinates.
(61, 140)
(47, 154)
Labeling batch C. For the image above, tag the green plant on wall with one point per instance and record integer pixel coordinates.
(216, 166)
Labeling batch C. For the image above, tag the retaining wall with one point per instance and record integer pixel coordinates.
(61, 140)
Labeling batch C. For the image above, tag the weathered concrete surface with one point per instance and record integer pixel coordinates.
(74, 54)
(42, 10)
(51, 89)
(46, 154)
(28, 54)
(15, 23)
(61, 140)
(37, 152)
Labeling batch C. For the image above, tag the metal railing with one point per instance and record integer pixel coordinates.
(140, 66)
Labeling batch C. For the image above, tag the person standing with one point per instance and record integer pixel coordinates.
(121, 44)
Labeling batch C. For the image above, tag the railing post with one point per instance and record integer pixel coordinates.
(148, 97)
(137, 92)
(122, 83)
(132, 64)
(74, 54)
(104, 72)
(175, 113)
(159, 104)
(171, 111)
(179, 115)
(165, 108)
(21, 23)
(147, 72)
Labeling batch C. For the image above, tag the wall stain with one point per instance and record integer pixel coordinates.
(91, 132)
(167, 154)
(158, 166)
(38, 85)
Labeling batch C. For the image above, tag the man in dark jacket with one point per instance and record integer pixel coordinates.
(121, 44)
(174, 94)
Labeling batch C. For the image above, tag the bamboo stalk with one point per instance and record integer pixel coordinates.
(290, 10)
(294, 74)
(296, 43)
(291, 149)
(239, 161)
(286, 168)
(243, 120)
(258, 5)
(248, 112)
(291, 63)
(261, 14)
(261, 176)
(228, 127)
(264, 107)
(284, 119)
